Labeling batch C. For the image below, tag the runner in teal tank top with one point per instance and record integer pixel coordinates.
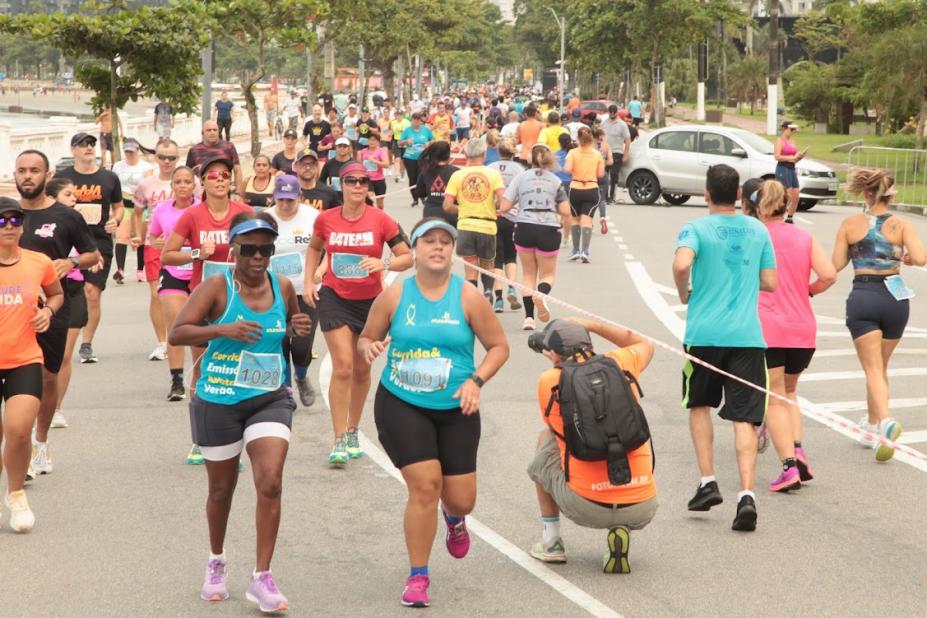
(427, 404)
(240, 401)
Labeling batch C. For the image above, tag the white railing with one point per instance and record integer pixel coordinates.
(908, 166)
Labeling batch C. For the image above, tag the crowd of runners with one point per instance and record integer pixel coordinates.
(244, 268)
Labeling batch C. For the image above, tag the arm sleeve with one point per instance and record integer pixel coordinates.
(116, 194)
(688, 237)
(511, 192)
(562, 195)
(138, 196)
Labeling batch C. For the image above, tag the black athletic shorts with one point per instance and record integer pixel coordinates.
(98, 279)
(476, 244)
(214, 424)
(410, 434)
(583, 202)
(378, 187)
(53, 342)
(870, 306)
(505, 242)
(704, 387)
(795, 360)
(77, 300)
(335, 312)
(25, 380)
(535, 238)
(169, 284)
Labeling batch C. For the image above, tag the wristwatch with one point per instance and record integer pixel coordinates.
(477, 380)
(74, 261)
(386, 262)
(195, 254)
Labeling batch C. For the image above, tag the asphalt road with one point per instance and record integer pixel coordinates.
(121, 528)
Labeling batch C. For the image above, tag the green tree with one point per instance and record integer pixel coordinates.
(255, 27)
(747, 79)
(811, 90)
(126, 54)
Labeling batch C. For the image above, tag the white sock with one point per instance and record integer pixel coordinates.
(745, 492)
(705, 480)
(255, 573)
(551, 529)
(213, 556)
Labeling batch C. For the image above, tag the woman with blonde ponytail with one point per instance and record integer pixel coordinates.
(877, 309)
(789, 327)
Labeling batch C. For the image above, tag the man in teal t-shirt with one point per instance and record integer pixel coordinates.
(730, 258)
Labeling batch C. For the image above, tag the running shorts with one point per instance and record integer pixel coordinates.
(398, 150)
(53, 342)
(870, 306)
(787, 176)
(505, 242)
(106, 141)
(410, 434)
(704, 387)
(378, 187)
(77, 299)
(476, 244)
(795, 360)
(169, 284)
(335, 312)
(546, 470)
(540, 239)
(152, 263)
(222, 431)
(25, 380)
(98, 279)
(583, 202)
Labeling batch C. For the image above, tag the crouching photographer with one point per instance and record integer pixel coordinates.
(594, 461)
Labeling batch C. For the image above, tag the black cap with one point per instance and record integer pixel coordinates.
(80, 137)
(290, 133)
(612, 109)
(565, 337)
(219, 159)
(306, 152)
(8, 204)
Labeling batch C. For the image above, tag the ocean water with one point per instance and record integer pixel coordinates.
(23, 121)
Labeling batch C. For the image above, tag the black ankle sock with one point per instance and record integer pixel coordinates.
(788, 462)
(544, 288)
(121, 251)
(797, 443)
(140, 258)
(488, 282)
(498, 294)
(528, 302)
(176, 375)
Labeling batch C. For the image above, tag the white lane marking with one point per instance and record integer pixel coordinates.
(823, 319)
(826, 376)
(616, 239)
(520, 557)
(663, 289)
(650, 293)
(623, 247)
(679, 308)
(628, 256)
(842, 407)
(803, 220)
(913, 437)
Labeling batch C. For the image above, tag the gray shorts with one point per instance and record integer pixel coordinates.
(546, 471)
(224, 430)
(476, 244)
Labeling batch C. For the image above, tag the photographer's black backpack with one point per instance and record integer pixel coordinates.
(602, 420)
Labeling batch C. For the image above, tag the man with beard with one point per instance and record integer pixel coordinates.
(99, 200)
(312, 192)
(315, 130)
(212, 147)
(54, 230)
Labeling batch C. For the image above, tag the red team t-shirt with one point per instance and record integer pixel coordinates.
(197, 225)
(348, 242)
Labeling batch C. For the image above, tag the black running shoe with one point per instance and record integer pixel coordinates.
(745, 521)
(177, 391)
(706, 497)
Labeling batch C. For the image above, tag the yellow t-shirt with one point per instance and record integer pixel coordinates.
(551, 136)
(475, 189)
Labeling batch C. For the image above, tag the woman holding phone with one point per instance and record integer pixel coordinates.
(787, 155)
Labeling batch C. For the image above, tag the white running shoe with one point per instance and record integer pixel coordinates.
(528, 324)
(41, 462)
(58, 420)
(21, 517)
(159, 353)
(865, 425)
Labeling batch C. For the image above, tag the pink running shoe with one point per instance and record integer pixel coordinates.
(215, 586)
(457, 539)
(263, 591)
(804, 470)
(415, 593)
(787, 481)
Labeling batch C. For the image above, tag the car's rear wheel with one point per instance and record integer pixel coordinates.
(676, 199)
(804, 205)
(643, 187)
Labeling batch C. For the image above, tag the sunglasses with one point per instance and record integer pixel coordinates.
(86, 144)
(361, 181)
(245, 250)
(167, 157)
(214, 175)
(13, 220)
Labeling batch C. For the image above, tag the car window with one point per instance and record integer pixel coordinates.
(716, 144)
(675, 140)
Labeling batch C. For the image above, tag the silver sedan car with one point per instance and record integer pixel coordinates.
(672, 162)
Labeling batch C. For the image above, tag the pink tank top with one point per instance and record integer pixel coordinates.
(788, 148)
(786, 314)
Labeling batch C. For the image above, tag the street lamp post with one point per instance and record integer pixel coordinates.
(562, 22)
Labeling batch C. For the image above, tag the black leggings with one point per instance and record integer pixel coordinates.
(297, 351)
(412, 173)
(122, 250)
(614, 171)
(225, 125)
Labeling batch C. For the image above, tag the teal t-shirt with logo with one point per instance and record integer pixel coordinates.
(730, 251)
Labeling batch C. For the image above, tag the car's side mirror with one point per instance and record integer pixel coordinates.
(739, 152)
